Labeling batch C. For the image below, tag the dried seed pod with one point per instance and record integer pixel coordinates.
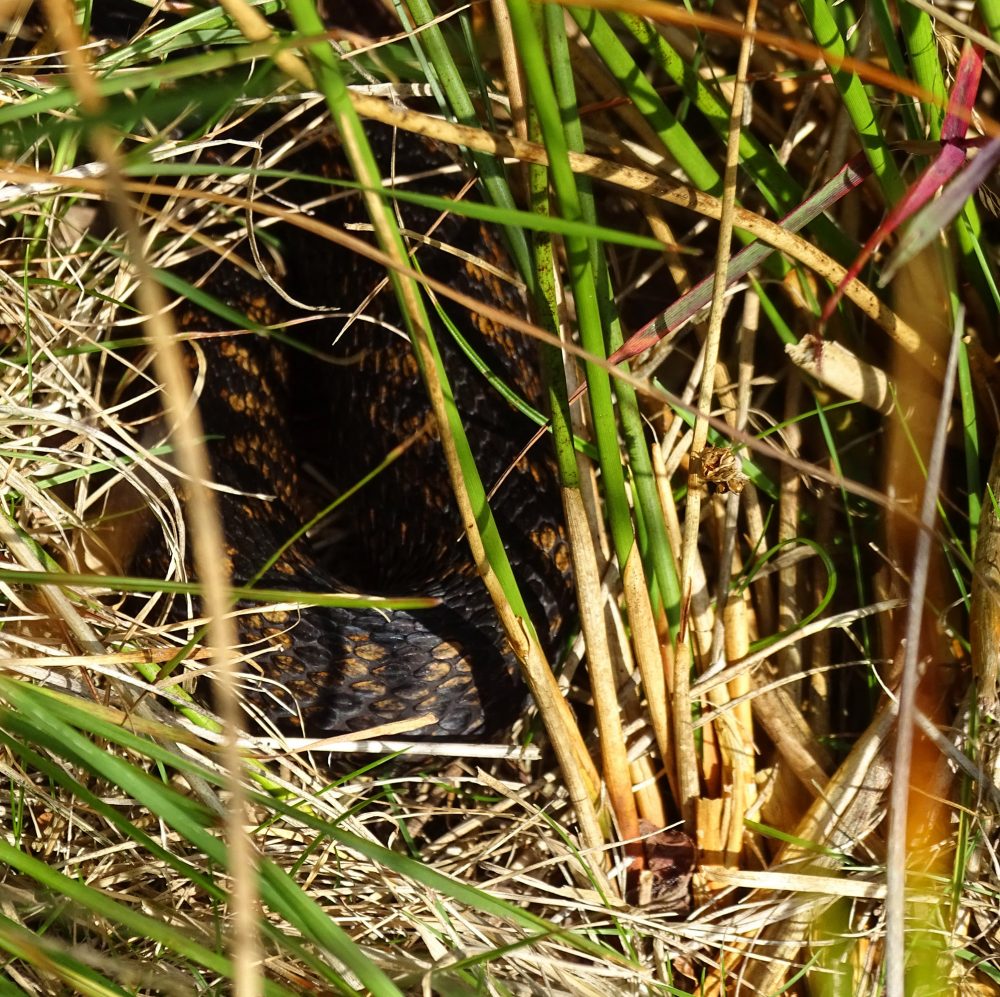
(722, 470)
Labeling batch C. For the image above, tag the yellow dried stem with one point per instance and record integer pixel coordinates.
(600, 667)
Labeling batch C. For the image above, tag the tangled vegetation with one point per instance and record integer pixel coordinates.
(757, 249)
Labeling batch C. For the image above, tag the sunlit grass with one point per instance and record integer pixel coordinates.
(432, 873)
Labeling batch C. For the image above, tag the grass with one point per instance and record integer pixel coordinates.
(739, 641)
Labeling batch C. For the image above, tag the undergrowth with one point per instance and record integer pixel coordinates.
(780, 522)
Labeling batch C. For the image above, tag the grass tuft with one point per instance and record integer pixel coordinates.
(702, 798)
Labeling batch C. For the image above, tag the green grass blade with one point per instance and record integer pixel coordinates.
(855, 97)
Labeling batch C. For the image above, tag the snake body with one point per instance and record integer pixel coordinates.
(268, 407)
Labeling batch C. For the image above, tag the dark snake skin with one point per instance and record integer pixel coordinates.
(267, 408)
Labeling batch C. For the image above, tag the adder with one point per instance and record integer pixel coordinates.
(340, 396)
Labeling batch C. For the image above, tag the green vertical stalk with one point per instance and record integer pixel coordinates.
(582, 276)
(490, 168)
(654, 544)
(922, 48)
(637, 86)
(859, 108)
(990, 11)
(885, 25)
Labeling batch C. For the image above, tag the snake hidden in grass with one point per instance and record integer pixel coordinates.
(337, 388)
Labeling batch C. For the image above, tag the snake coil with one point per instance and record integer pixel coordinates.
(268, 408)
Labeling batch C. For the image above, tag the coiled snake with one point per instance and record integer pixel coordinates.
(267, 408)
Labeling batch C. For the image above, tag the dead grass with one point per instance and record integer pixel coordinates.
(783, 629)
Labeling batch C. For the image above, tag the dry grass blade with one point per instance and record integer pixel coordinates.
(209, 541)
(687, 770)
(810, 497)
(650, 185)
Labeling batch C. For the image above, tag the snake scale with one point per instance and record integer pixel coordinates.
(268, 408)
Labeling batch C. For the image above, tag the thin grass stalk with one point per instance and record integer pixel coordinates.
(742, 749)
(489, 169)
(546, 310)
(824, 29)
(657, 550)
(896, 948)
(789, 514)
(984, 611)
(819, 706)
(721, 810)
(714, 761)
(208, 537)
(511, 68)
(692, 510)
(885, 25)
(130, 583)
(737, 630)
(670, 654)
(917, 30)
(700, 625)
(583, 278)
(973, 444)
(732, 727)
